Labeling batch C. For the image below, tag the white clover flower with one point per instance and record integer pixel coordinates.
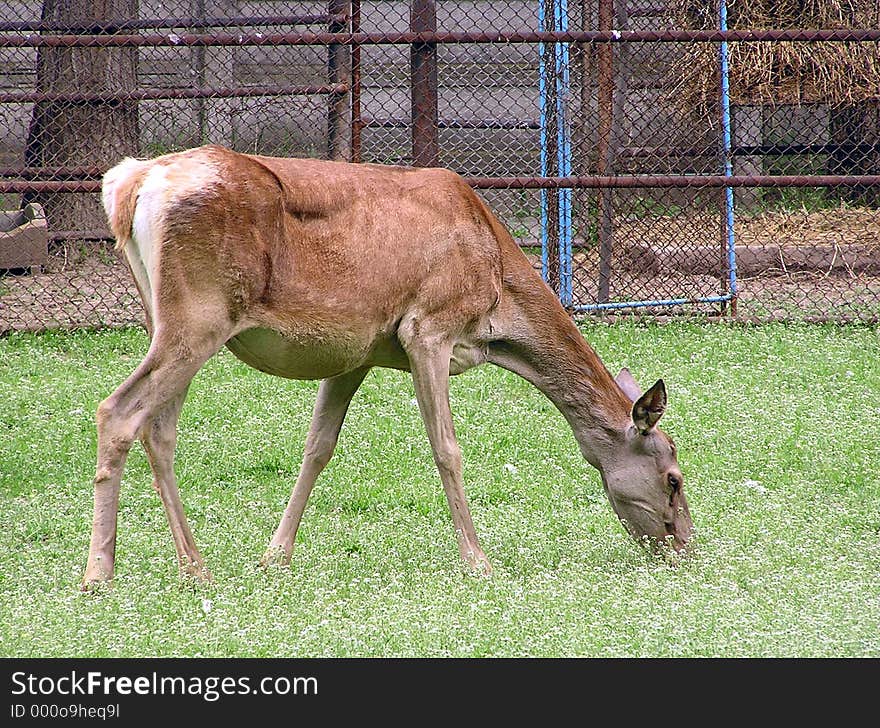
(754, 485)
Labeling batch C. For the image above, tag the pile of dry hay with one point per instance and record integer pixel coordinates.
(780, 72)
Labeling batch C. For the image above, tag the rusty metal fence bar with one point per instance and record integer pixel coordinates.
(670, 180)
(414, 82)
(86, 97)
(220, 21)
(634, 181)
(430, 37)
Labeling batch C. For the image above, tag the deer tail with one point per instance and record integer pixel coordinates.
(119, 194)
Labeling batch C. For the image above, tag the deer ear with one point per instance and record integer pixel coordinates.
(629, 386)
(649, 408)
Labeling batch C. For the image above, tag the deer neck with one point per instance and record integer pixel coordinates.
(539, 341)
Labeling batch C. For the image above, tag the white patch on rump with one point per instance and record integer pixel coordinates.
(142, 254)
(183, 176)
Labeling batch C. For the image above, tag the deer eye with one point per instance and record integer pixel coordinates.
(674, 482)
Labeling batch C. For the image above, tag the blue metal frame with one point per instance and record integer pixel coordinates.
(563, 146)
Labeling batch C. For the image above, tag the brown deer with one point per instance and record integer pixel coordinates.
(312, 269)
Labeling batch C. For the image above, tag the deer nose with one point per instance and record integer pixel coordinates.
(681, 534)
(677, 530)
(679, 525)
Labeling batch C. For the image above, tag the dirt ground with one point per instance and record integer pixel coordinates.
(95, 292)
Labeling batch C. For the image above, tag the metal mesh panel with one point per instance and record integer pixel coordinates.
(622, 126)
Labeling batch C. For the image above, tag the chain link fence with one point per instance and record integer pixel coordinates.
(646, 162)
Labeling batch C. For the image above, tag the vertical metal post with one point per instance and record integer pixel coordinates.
(582, 123)
(553, 90)
(563, 153)
(728, 160)
(548, 138)
(356, 119)
(423, 70)
(603, 161)
(339, 72)
(199, 68)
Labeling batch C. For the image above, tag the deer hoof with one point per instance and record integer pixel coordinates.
(99, 573)
(95, 586)
(275, 556)
(195, 573)
(477, 564)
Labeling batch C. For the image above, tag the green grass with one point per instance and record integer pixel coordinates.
(775, 427)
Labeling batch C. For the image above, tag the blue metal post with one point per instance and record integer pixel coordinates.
(563, 151)
(728, 156)
(561, 84)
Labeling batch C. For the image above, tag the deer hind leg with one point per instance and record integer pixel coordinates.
(159, 438)
(429, 362)
(331, 405)
(161, 378)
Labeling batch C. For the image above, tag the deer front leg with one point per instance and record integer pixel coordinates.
(331, 405)
(430, 372)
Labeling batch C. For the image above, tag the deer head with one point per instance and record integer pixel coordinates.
(642, 479)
